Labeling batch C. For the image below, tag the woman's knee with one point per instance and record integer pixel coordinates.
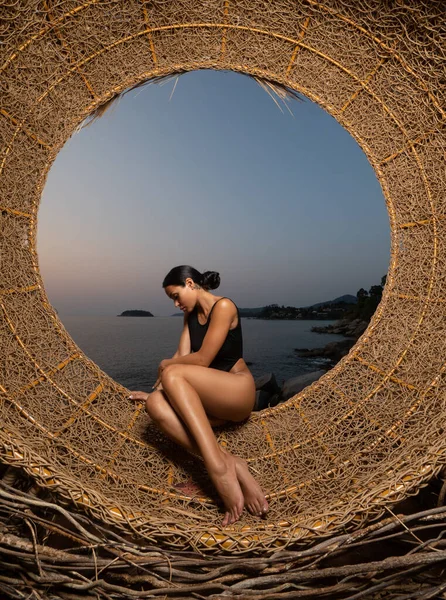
(156, 405)
(169, 373)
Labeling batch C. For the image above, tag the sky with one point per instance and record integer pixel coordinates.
(206, 170)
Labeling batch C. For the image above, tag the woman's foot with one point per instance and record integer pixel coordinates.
(226, 482)
(255, 500)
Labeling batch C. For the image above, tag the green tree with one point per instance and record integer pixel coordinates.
(367, 302)
(362, 293)
(376, 290)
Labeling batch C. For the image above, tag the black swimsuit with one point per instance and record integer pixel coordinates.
(232, 348)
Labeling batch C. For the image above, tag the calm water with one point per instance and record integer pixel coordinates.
(129, 349)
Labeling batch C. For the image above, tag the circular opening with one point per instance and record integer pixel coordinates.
(209, 170)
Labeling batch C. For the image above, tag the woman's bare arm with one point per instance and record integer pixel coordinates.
(183, 346)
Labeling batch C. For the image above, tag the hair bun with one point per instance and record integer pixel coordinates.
(211, 280)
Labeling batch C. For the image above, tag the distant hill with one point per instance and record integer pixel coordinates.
(331, 310)
(135, 313)
(347, 298)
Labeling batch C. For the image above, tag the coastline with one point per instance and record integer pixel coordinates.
(334, 351)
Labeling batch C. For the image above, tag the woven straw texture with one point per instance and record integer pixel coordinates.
(367, 434)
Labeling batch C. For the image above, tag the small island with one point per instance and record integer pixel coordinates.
(135, 313)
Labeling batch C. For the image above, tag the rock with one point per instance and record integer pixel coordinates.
(293, 386)
(323, 329)
(265, 399)
(334, 347)
(268, 383)
(334, 350)
(306, 352)
(361, 327)
(353, 328)
(267, 391)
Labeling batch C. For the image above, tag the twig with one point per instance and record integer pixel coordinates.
(36, 553)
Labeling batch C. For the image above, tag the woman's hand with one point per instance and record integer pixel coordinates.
(139, 396)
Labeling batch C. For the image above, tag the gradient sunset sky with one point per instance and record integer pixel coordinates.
(211, 173)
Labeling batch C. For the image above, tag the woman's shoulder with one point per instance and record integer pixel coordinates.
(226, 308)
(226, 301)
(226, 304)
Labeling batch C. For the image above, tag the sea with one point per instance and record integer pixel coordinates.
(129, 349)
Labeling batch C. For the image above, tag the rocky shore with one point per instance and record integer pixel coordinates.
(345, 327)
(269, 393)
(334, 351)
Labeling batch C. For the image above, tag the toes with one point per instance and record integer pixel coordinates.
(258, 508)
(255, 508)
(235, 514)
(229, 519)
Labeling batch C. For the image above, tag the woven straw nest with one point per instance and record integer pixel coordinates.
(368, 433)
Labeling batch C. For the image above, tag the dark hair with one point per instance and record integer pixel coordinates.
(209, 280)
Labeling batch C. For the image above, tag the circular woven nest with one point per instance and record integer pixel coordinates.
(369, 432)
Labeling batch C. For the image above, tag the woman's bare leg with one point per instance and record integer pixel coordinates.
(221, 468)
(170, 424)
(167, 420)
(193, 390)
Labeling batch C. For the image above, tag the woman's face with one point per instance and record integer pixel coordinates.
(185, 298)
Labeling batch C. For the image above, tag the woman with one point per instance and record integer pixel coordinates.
(207, 383)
